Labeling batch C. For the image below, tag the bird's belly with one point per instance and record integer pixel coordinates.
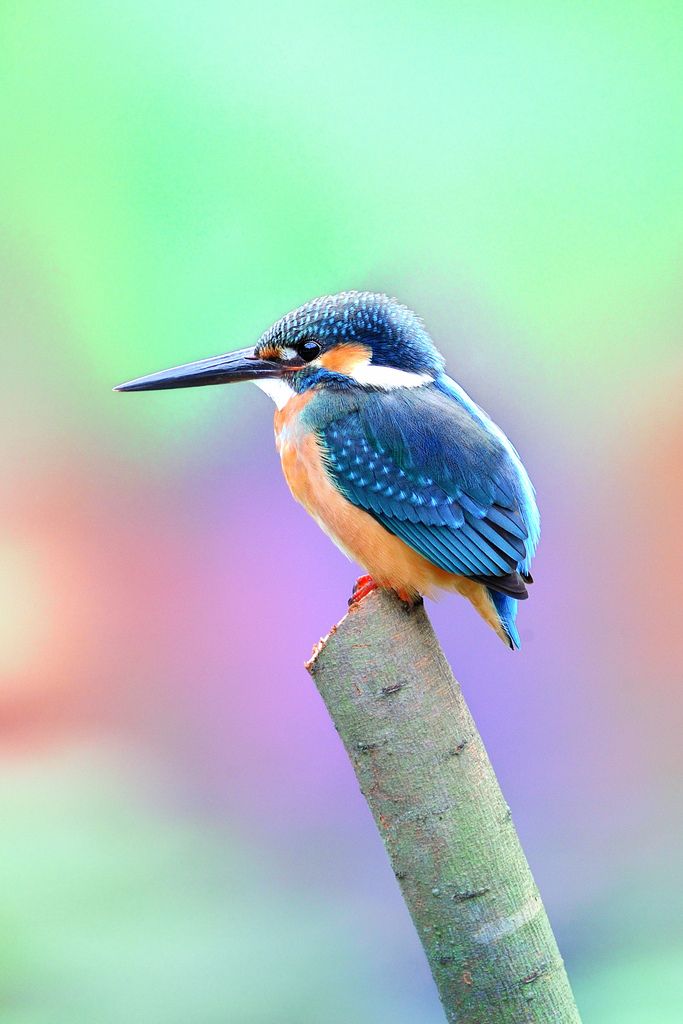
(390, 561)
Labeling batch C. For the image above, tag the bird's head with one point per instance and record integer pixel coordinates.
(353, 339)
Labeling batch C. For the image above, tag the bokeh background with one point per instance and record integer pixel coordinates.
(182, 838)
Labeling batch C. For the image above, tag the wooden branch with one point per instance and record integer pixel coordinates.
(423, 770)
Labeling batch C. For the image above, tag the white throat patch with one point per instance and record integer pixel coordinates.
(388, 378)
(278, 389)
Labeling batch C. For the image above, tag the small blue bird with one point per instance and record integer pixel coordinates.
(407, 475)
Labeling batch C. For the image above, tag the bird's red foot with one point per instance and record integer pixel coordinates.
(363, 586)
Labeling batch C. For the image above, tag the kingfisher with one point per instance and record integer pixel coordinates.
(392, 458)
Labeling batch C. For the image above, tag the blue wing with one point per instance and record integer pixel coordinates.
(439, 477)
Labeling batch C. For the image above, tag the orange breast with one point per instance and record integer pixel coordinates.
(391, 562)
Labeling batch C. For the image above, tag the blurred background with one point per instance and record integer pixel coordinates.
(182, 836)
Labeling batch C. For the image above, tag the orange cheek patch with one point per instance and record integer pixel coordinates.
(344, 358)
(269, 352)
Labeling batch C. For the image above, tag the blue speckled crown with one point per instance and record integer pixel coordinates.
(395, 334)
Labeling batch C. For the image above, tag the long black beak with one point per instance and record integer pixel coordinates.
(233, 366)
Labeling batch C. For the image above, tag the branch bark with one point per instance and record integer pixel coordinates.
(423, 770)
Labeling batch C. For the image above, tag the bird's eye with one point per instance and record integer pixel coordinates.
(308, 350)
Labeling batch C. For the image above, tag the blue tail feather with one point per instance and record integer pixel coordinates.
(507, 612)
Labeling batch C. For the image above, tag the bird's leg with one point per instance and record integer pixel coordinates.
(363, 586)
(408, 599)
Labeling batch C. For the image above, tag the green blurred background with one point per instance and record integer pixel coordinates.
(181, 836)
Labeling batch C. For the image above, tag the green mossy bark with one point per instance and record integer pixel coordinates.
(424, 771)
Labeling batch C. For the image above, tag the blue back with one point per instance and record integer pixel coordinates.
(425, 467)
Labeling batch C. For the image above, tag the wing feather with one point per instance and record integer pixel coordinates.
(430, 473)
